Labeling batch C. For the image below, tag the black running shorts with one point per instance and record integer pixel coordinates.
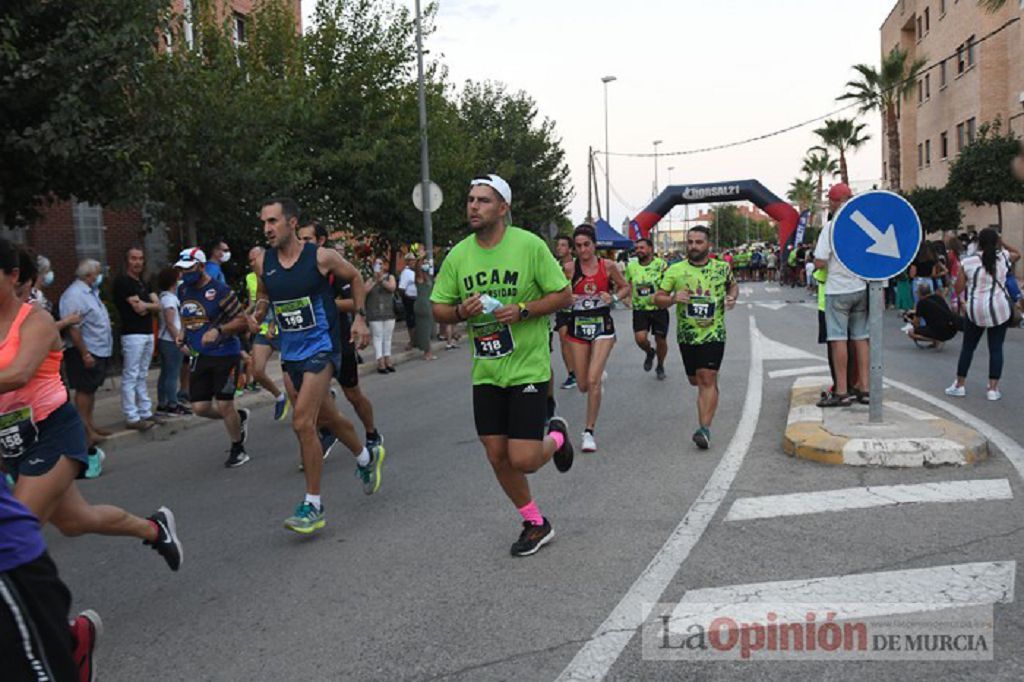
(702, 356)
(653, 321)
(518, 412)
(35, 640)
(348, 373)
(79, 377)
(563, 318)
(212, 376)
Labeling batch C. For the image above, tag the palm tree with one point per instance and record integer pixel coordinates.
(801, 192)
(818, 164)
(881, 91)
(992, 6)
(842, 134)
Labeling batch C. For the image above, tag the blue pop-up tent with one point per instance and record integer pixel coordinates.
(610, 238)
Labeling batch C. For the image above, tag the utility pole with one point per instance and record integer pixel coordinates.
(428, 229)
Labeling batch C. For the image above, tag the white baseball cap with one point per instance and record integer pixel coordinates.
(189, 257)
(497, 183)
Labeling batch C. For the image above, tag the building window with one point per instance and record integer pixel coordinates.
(920, 155)
(942, 74)
(942, 8)
(88, 221)
(944, 144)
(239, 29)
(960, 137)
(970, 52)
(920, 28)
(927, 86)
(920, 91)
(960, 64)
(927, 19)
(927, 152)
(971, 130)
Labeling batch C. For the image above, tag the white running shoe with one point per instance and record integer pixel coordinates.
(907, 328)
(956, 391)
(993, 394)
(589, 444)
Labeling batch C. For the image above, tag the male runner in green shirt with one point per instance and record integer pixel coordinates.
(504, 282)
(645, 275)
(702, 289)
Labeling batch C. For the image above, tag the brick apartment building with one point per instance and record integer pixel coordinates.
(975, 82)
(70, 231)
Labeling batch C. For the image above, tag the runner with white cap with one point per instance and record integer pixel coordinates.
(503, 282)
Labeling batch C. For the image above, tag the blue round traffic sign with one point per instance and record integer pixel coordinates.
(876, 235)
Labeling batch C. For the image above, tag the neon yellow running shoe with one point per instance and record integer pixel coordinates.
(307, 519)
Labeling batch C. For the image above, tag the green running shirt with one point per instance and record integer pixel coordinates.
(645, 280)
(519, 269)
(702, 320)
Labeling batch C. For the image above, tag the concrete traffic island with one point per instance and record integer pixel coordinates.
(908, 436)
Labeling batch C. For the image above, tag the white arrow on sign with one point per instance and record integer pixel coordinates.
(885, 244)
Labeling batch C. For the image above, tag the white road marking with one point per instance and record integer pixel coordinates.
(605, 646)
(772, 289)
(1008, 446)
(865, 595)
(912, 412)
(798, 504)
(819, 382)
(797, 371)
(773, 350)
(771, 306)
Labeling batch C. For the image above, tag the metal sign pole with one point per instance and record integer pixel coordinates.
(876, 308)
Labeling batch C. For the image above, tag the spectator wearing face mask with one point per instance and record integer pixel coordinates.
(219, 254)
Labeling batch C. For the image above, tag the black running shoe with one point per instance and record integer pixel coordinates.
(702, 438)
(243, 419)
(532, 538)
(649, 360)
(563, 455)
(377, 439)
(167, 542)
(660, 371)
(237, 456)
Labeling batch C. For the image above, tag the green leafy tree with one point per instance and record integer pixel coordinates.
(512, 141)
(220, 122)
(937, 207)
(881, 90)
(983, 171)
(842, 135)
(68, 71)
(729, 228)
(991, 5)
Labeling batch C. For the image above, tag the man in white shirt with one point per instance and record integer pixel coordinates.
(407, 290)
(846, 310)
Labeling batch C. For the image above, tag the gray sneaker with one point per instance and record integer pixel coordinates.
(370, 474)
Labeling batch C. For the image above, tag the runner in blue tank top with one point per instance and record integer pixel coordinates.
(293, 278)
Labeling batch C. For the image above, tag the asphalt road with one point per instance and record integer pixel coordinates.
(416, 582)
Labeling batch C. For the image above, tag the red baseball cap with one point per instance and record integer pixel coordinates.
(839, 191)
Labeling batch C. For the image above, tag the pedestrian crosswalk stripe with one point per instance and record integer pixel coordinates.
(870, 594)
(823, 501)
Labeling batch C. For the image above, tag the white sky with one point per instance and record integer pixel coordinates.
(693, 73)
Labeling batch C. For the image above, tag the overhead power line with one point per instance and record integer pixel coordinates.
(795, 126)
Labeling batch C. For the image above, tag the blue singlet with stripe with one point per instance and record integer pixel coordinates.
(303, 302)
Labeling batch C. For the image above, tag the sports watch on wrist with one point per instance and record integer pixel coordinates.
(524, 312)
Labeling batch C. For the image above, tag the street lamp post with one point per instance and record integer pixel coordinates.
(607, 170)
(670, 169)
(655, 192)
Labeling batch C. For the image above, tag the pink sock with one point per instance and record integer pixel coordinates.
(558, 438)
(531, 514)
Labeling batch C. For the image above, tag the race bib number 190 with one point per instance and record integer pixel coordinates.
(296, 315)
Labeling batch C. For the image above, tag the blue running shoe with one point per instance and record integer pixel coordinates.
(281, 409)
(95, 467)
(327, 442)
(570, 381)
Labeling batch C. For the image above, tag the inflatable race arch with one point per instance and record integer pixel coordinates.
(714, 192)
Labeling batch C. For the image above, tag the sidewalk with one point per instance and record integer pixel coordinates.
(109, 415)
(908, 436)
